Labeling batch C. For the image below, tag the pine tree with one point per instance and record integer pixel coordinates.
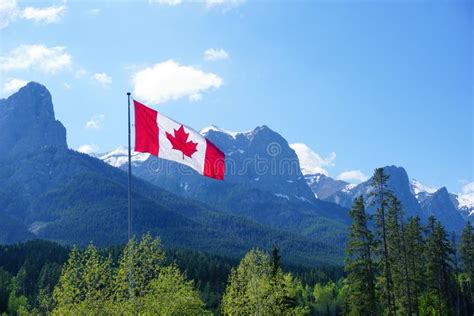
(467, 253)
(415, 259)
(275, 261)
(360, 264)
(438, 268)
(398, 256)
(380, 195)
(456, 274)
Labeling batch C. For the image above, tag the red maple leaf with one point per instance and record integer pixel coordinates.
(180, 142)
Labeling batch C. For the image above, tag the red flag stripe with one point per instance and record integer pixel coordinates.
(214, 164)
(146, 129)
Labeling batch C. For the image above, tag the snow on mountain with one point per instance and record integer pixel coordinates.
(348, 187)
(421, 191)
(466, 197)
(119, 157)
(465, 200)
(215, 128)
(418, 187)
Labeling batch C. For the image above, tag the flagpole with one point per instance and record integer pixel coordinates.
(129, 174)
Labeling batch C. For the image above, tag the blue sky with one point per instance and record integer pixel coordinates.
(362, 84)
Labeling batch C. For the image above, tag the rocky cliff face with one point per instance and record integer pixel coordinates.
(440, 205)
(417, 200)
(27, 122)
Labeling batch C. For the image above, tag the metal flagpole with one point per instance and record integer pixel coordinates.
(129, 174)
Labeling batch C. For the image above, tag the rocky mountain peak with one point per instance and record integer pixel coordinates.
(28, 122)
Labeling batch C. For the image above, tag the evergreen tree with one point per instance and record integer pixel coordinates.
(438, 269)
(360, 263)
(457, 294)
(398, 257)
(415, 259)
(275, 261)
(380, 195)
(5, 285)
(467, 253)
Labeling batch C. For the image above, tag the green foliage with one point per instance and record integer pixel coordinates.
(360, 262)
(171, 294)
(380, 196)
(254, 290)
(139, 264)
(398, 257)
(330, 298)
(141, 284)
(415, 245)
(58, 205)
(467, 253)
(16, 301)
(5, 285)
(424, 276)
(439, 272)
(86, 282)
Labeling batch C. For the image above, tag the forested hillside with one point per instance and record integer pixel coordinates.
(393, 266)
(51, 192)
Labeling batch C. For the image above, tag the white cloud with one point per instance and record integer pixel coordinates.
(353, 176)
(39, 57)
(95, 122)
(311, 162)
(223, 3)
(195, 97)
(8, 12)
(46, 15)
(215, 54)
(80, 73)
(166, 2)
(87, 149)
(13, 85)
(170, 81)
(466, 197)
(66, 86)
(102, 78)
(94, 12)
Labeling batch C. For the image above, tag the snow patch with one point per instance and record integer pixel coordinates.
(215, 128)
(418, 187)
(302, 198)
(283, 196)
(348, 188)
(466, 197)
(119, 157)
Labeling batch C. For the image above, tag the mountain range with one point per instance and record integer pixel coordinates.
(417, 198)
(245, 150)
(52, 192)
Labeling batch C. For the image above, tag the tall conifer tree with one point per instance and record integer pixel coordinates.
(360, 263)
(380, 195)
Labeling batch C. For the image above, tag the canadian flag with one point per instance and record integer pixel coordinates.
(163, 137)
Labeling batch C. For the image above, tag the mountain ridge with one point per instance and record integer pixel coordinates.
(55, 193)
